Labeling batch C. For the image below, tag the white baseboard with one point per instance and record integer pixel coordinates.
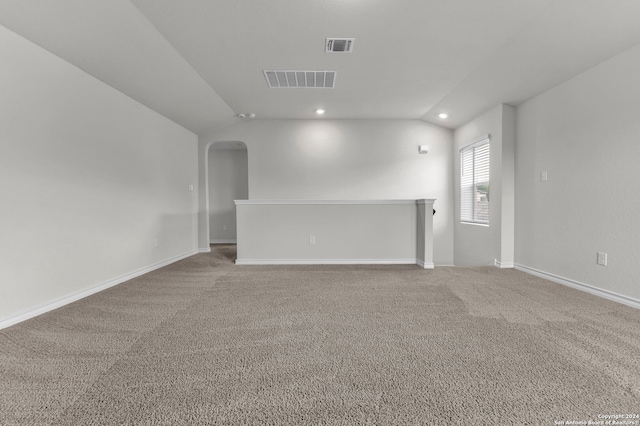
(58, 303)
(425, 265)
(204, 250)
(223, 241)
(606, 294)
(504, 265)
(325, 261)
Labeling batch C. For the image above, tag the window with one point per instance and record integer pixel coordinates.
(474, 182)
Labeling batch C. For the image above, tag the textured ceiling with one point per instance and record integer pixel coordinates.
(199, 62)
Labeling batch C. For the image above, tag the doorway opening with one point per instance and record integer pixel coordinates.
(227, 180)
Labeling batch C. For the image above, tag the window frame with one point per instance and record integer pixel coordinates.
(471, 210)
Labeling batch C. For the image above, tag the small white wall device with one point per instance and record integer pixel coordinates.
(423, 149)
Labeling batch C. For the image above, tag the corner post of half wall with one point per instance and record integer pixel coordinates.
(425, 233)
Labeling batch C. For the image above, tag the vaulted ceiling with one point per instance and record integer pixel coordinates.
(201, 62)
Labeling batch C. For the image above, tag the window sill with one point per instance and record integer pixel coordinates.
(486, 225)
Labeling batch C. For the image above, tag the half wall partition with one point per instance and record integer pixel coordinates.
(335, 232)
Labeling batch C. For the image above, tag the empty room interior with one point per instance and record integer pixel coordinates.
(320, 212)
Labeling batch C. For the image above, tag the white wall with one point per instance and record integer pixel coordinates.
(89, 179)
(478, 244)
(228, 181)
(586, 134)
(350, 159)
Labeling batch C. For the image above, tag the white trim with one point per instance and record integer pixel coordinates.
(606, 294)
(224, 241)
(503, 265)
(424, 265)
(462, 222)
(204, 250)
(325, 261)
(305, 202)
(58, 303)
(426, 201)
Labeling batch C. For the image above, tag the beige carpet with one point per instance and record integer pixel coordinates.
(206, 342)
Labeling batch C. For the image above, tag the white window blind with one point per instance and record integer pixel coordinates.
(474, 182)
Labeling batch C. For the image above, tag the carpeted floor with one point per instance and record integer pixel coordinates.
(206, 342)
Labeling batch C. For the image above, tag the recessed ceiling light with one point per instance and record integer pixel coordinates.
(320, 111)
(443, 115)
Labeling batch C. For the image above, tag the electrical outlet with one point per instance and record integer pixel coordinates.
(602, 258)
(543, 176)
(156, 243)
(312, 239)
(225, 228)
(190, 187)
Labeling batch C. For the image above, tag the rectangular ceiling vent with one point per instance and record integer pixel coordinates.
(340, 45)
(281, 79)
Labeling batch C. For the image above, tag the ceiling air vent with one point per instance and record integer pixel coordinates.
(340, 45)
(291, 79)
